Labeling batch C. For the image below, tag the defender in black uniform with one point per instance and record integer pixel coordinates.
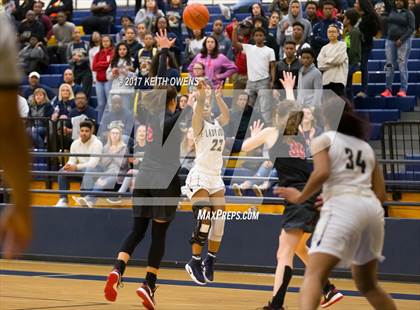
(157, 183)
(288, 155)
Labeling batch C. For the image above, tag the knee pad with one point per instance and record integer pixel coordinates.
(216, 230)
(201, 231)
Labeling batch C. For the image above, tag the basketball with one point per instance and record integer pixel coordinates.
(196, 16)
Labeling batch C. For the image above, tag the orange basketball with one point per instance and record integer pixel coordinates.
(196, 16)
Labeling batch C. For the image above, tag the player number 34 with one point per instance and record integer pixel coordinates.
(359, 161)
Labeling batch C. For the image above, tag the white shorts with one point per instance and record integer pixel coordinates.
(197, 180)
(351, 228)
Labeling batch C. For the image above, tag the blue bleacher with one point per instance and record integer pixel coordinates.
(412, 167)
(379, 64)
(380, 54)
(57, 68)
(379, 116)
(404, 104)
(380, 77)
(375, 89)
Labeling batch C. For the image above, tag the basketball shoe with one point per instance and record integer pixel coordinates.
(113, 282)
(147, 295)
(331, 297)
(195, 270)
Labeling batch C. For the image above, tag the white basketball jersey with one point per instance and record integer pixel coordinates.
(209, 145)
(352, 163)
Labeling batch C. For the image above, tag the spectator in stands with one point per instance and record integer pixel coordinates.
(39, 107)
(240, 116)
(369, 27)
(187, 150)
(34, 56)
(333, 62)
(193, 45)
(120, 69)
(133, 45)
(216, 65)
(80, 113)
(119, 114)
(141, 32)
(68, 78)
(311, 8)
(269, 41)
(309, 89)
(308, 128)
(63, 33)
(103, 16)
(22, 9)
(225, 45)
(298, 38)
(126, 22)
(57, 6)
(101, 62)
(94, 45)
(198, 71)
(319, 33)
(255, 8)
(416, 12)
(261, 70)
(63, 103)
(45, 21)
(78, 59)
(33, 81)
(162, 25)
(174, 12)
(138, 150)
(110, 165)
(290, 63)
(401, 27)
(148, 15)
(143, 60)
(23, 107)
(353, 39)
(30, 26)
(285, 27)
(273, 21)
(87, 143)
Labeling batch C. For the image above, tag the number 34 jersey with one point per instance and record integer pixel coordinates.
(209, 145)
(352, 161)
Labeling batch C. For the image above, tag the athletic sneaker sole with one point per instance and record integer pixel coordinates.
(337, 297)
(110, 289)
(189, 271)
(147, 301)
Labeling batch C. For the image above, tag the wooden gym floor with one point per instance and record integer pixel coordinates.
(45, 285)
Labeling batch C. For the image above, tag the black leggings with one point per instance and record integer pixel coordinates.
(157, 248)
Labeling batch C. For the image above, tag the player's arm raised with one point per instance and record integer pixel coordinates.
(224, 116)
(197, 117)
(235, 42)
(260, 136)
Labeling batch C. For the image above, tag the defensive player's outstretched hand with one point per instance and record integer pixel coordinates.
(291, 194)
(288, 80)
(162, 39)
(256, 127)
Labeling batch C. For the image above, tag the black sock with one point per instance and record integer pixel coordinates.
(120, 266)
(278, 299)
(327, 287)
(151, 280)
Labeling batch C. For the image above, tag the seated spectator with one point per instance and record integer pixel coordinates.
(333, 62)
(133, 45)
(139, 148)
(311, 8)
(290, 63)
(57, 6)
(148, 15)
(68, 78)
(308, 128)
(143, 61)
(34, 56)
(285, 27)
(87, 143)
(174, 11)
(78, 59)
(141, 32)
(103, 16)
(319, 36)
(33, 81)
(41, 17)
(118, 114)
(198, 71)
(273, 21)
(94, 45)
(110, 165)
(63, 33)
(63, 103)
(187, 150)
(100, 65)
(126, 22)
(23, 107)
(80, 113)
(353, 39)
(217, 66)
(225, 45)
(30, 26)
(297, 37)
(255, 8)
(39, 107)
(162, 25)
(193, 46)
(401, 26)
(309, 86)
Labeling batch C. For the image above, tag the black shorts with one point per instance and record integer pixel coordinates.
(156, 203)
(303, 216)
